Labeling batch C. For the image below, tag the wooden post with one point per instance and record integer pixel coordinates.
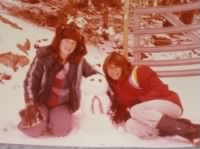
(125, 42)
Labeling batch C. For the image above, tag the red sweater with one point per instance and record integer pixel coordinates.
(142, 84)
(60, 90)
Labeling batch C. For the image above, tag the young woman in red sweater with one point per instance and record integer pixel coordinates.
(142, 102)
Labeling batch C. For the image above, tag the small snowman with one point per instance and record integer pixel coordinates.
(94, 95)
(95, 105)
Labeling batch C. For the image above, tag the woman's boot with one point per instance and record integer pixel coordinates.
(182, 127)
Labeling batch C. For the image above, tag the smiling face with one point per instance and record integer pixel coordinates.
(114, 71)
(67, 46)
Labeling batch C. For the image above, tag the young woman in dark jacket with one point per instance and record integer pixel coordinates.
(143, 103)
(52, 84)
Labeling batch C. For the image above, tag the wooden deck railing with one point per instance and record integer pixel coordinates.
(191, 31)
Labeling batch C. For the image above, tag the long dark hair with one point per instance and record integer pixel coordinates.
(69, 33)
(117, 60)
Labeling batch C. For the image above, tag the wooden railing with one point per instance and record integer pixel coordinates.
(177, 27)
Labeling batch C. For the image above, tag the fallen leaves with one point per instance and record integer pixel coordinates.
(13, 60)
(24, 47)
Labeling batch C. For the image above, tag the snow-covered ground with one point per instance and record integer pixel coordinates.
(90, 130)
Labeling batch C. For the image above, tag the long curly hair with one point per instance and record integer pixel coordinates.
(119, 60)
(69, 32)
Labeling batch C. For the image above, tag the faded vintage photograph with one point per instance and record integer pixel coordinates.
(100, 73)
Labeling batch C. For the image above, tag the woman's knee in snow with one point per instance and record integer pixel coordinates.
(60, 121)
(62, 130)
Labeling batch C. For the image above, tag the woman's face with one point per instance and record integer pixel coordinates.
(67, 46)
(114, 71)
